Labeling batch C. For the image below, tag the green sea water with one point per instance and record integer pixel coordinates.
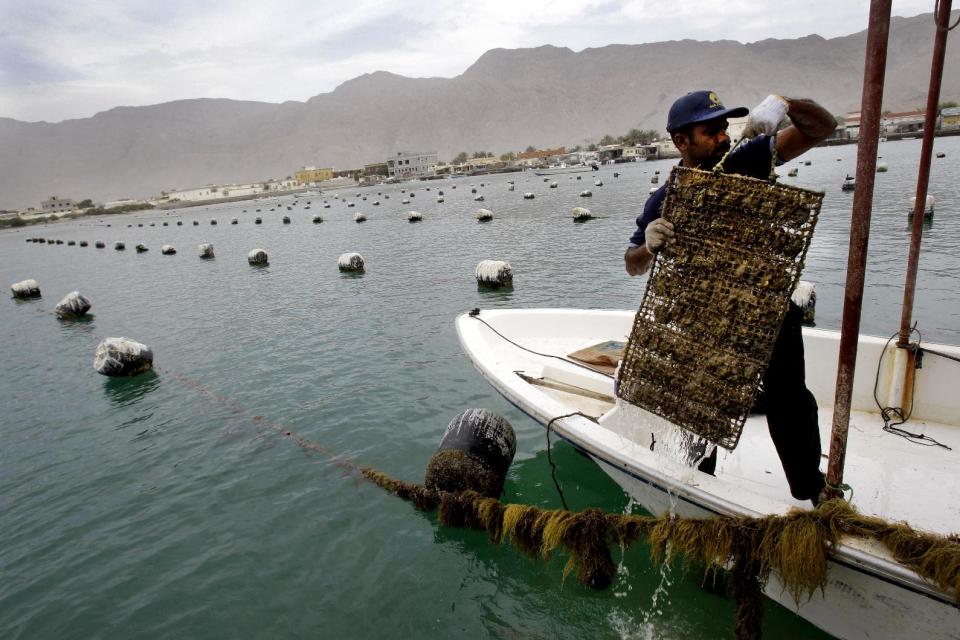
(171, 505)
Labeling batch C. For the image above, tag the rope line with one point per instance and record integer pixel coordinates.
(553, 466)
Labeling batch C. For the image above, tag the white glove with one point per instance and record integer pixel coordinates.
(766, 116)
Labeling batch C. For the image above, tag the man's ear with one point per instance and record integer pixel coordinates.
(681, 141)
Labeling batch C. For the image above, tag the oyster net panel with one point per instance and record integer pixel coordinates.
(716, 299)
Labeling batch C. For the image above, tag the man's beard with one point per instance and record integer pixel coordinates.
(718, 153)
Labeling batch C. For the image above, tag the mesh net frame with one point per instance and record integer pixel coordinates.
(716, 299)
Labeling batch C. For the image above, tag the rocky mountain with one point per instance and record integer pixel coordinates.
(506, 100)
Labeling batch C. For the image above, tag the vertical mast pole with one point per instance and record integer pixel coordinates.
(923, 176)
(873, 77)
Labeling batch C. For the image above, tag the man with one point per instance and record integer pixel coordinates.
(697, 124)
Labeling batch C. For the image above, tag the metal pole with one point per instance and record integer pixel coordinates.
(873, 77)
(923, 176)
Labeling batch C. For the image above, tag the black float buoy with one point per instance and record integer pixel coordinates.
(475, 453)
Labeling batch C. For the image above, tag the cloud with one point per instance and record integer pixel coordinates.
(63, 59)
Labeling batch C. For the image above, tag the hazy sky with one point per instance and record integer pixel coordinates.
(64, 59)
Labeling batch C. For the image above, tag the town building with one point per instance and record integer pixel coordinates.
(851, 124)
(950, 118)
(541, 157)
(375, 169)
(312, 175)
(56, 204)
(412, 165)
(902, 121)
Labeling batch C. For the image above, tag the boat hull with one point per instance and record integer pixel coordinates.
(867, 595)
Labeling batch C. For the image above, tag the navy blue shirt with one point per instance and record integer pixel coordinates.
(752, 158)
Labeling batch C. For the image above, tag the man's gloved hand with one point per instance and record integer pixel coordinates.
(658, 234)
(766, 116)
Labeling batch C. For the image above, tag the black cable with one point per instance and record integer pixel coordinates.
(553, 467)
(476, 315)
(893, 417)
(939, 353)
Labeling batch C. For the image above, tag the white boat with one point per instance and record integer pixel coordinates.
(524, 354)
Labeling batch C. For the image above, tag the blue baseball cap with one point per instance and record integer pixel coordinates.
(699, 106)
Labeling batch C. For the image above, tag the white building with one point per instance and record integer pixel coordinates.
(412, 165)
(55, 204)
(214, 192)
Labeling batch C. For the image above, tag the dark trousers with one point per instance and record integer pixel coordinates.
(792, 410)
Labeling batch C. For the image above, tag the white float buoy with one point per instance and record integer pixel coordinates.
(652, 190)
(405, 201)
(122, 357)
(807, 163)
(478, 199)
(553, 185)
(655, 180)
(440, 199)
(376, 203)
(25, 289)
(350, 204)
(581, 214)
(598, 183)
(350, 262)
(257, 257)
(511, 187)
(792, 173)
(941, 154)
(141, 248)
(234, 221)
(528, 196)
(494, 273)
(72, 305)
(257, 221)
(168, 250)
(927, 208)
(119, 246)
(414, 216)
(805, 297)
(586, 193)
(206, 250)
(881, 167)
(484, 215)
(359, 217)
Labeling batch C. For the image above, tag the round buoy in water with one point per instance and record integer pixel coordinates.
(179, 223)
(511, 187)
(882, 167)
(83, 243)
(122, 357)
(99, 244)
(528, 196)
(141, 248)
(25, 289)
(440, 192)
(359, 217)
(166, 224)
(205, 250)
(71, 243)
(473, 190)
(655, 180)
(598, 183)
(140, 224)
(414, 216)
(793, 173)
(805, 297)
(586, 193)
(213, 223)
(494, 273)
(405, 201)
(317, 219)
(478, 199)
(581, 214)
(234, 221)
(475, 453)
(376, 203)
(59, 241)
(484, 214)
(554, 184)
(616, 175)
(72, 305)
(257, 257)
(941, 154)
(350, 204)
(167, 250)
(119, 246)
(286, 219)
(196, 223)
(350, 262)
(440, 199)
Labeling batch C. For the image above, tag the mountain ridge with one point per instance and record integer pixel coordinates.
(507, 99)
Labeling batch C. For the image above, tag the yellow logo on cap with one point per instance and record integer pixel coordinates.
(714, 101)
